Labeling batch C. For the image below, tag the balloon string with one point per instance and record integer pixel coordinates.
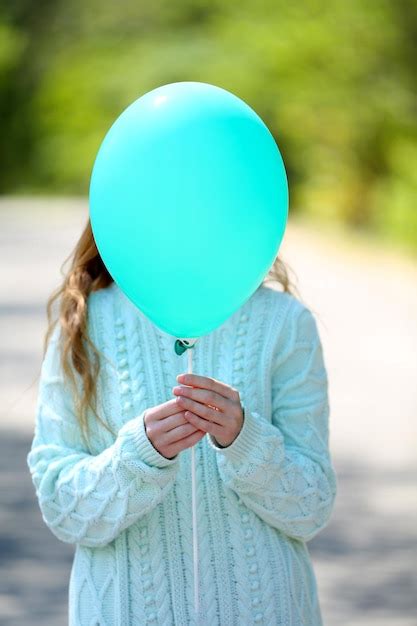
(194, 513)
(180, 346)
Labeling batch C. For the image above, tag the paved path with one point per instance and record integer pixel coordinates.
(366, 305)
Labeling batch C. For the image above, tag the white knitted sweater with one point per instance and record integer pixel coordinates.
(128, 508)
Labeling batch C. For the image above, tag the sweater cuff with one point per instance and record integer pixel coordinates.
(146, 450)
(242, 445)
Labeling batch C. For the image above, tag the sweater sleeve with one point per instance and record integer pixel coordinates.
(89, 499)
(282, 469)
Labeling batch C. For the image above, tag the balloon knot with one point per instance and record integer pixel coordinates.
(181, 346)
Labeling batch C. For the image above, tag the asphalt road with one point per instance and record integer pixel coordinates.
(365, 301)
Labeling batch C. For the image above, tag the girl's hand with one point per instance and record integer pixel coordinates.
(211, 406)
(168, 430)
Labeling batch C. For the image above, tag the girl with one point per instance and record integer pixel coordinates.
(110, 459)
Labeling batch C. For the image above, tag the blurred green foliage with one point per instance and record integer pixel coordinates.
(333, 80)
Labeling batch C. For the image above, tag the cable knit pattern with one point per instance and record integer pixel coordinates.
(127, 508)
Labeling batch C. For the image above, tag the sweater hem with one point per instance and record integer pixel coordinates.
(147, 451)
(242, 445)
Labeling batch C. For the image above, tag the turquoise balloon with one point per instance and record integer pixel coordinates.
(188, 205)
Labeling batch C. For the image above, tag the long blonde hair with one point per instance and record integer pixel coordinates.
(88, 273)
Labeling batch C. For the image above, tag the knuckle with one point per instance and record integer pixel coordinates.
(150, 430)
(208, 397)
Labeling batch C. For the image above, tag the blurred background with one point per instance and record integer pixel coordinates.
(335, 83)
